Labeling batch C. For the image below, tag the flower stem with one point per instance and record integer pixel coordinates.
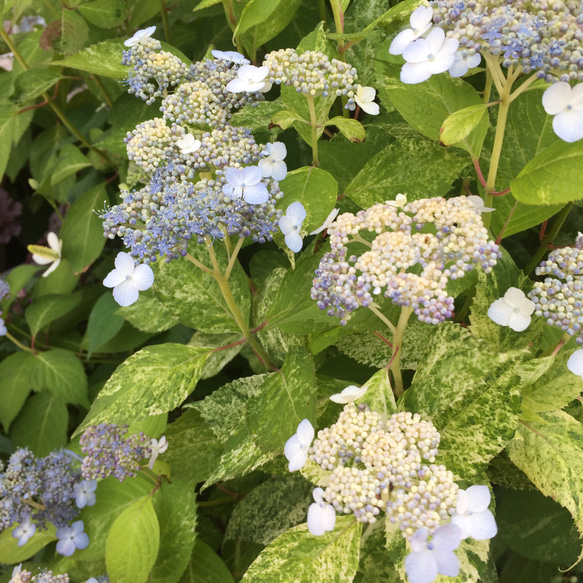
(553, 350)
(164, 13)
(395, 366)
(375, 310)
(17, 343)
(314, 124)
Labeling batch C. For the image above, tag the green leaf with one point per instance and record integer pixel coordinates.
(102, 59)
(42, 424)
(217, 359)
(299, 556)
(194, 297)
(49, 308)
(285, 399)
(104, 13)
(256, 116)
(551, 176)
(112, 498)
(69, 161)
(549, 453)
(155, 380)
(285, 119)
(270, 509)
(67, 35)
(316, 189)
(194, 450)
(14, 380)
(17, 279)
(147, 314)
(62, 374)
(103, 323)
(459, 124)
(205, 4)
(350, 128)
(175, 507)
(133, 543)
(474, 405)
(82, 232)
(205, 566)
(411, 166)
(7, 112)
(34, 82)
(11, 553)
(379, 394)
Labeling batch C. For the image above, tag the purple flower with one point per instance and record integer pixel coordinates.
(72, 538)
(24, 531)
(85, 493)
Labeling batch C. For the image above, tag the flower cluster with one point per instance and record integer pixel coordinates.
(20, 575)
(312, 73)
(559, 299)
(40, 489)
(417, 248)
(4, 291)
(109, 453)
(546, 37)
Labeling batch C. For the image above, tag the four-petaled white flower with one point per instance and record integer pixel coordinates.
(274, 166)
(399, 202)
(566, 104)
(250, 79)
(478, 203)
(349, 394)
(321, 516)
(139, 36)
(246, 183)
(3, 329)
(71, 538)
(157, 447)
(365, 99)
(329, 220)
(513, 310)
(44, 256)
(84, 493)
(24, 531)
(435, 557)
(472, 514)
(420, 22)
(291, 225)
(127, 279)
(428, 56)
(231, 56)
(461, 65)
(575, 363)
(188, 144)
(296, 447)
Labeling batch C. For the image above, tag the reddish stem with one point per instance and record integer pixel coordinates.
(379, 335)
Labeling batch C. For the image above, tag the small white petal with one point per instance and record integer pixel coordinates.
(402, 41)
(500, 312)
(256, 194)
(52, 268)
(143, 277)
(278, 151)
(296, 212)
(294, 242)
(478, 498)
(124, 263)
(421, 18)
(483, 526)
(113, 278)
(329, 220)
(349, 395)
(412, 74)
(568, 125)
(278, 170)
(575, 362)
(125, 294)
(305, 432)
(421, 567)
(556, 98)
(41, 260)
(231, 56)
(464, 522)
(55, 243)
(447, 564)
(519, 322)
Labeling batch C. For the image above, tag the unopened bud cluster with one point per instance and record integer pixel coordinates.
(559, 299)
(541, 36)
(416, 249)
(385, 466)
(312, 73)
(41, 489)
(44, 576)
(108, 452)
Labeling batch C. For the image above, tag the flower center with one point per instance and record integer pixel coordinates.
(516, 310)
(569, 107)
(429, 546)
(128, 277)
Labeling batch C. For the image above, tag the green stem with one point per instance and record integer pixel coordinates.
(314, 124)
(233, 257)
(164, 13)
(375, 310)
(103, 90)
(552, 350)
(322, 5)
(395, 366)
(548, 239)
(17, 343)
(196, 262)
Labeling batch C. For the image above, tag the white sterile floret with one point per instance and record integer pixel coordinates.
(273, 165)
(157, 447)
(575, 363)
(321, 516)
(399, 202)
(350, 394)
(24, 531)
(565, 103)
(434, 557)
(139, 36)
(230, 56)
(329, 220)
(3, 329)
(291, 225)
(365, 100)
(246, 183)
(513, 310)
(188, 144)
(420, 21)
(472, 514)
(297, 446)
(462, 64)
(250, 79)
(479, 206)
(71, 538)
(44, 256)
(428, 56)
(84, 493)
(128, 280)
